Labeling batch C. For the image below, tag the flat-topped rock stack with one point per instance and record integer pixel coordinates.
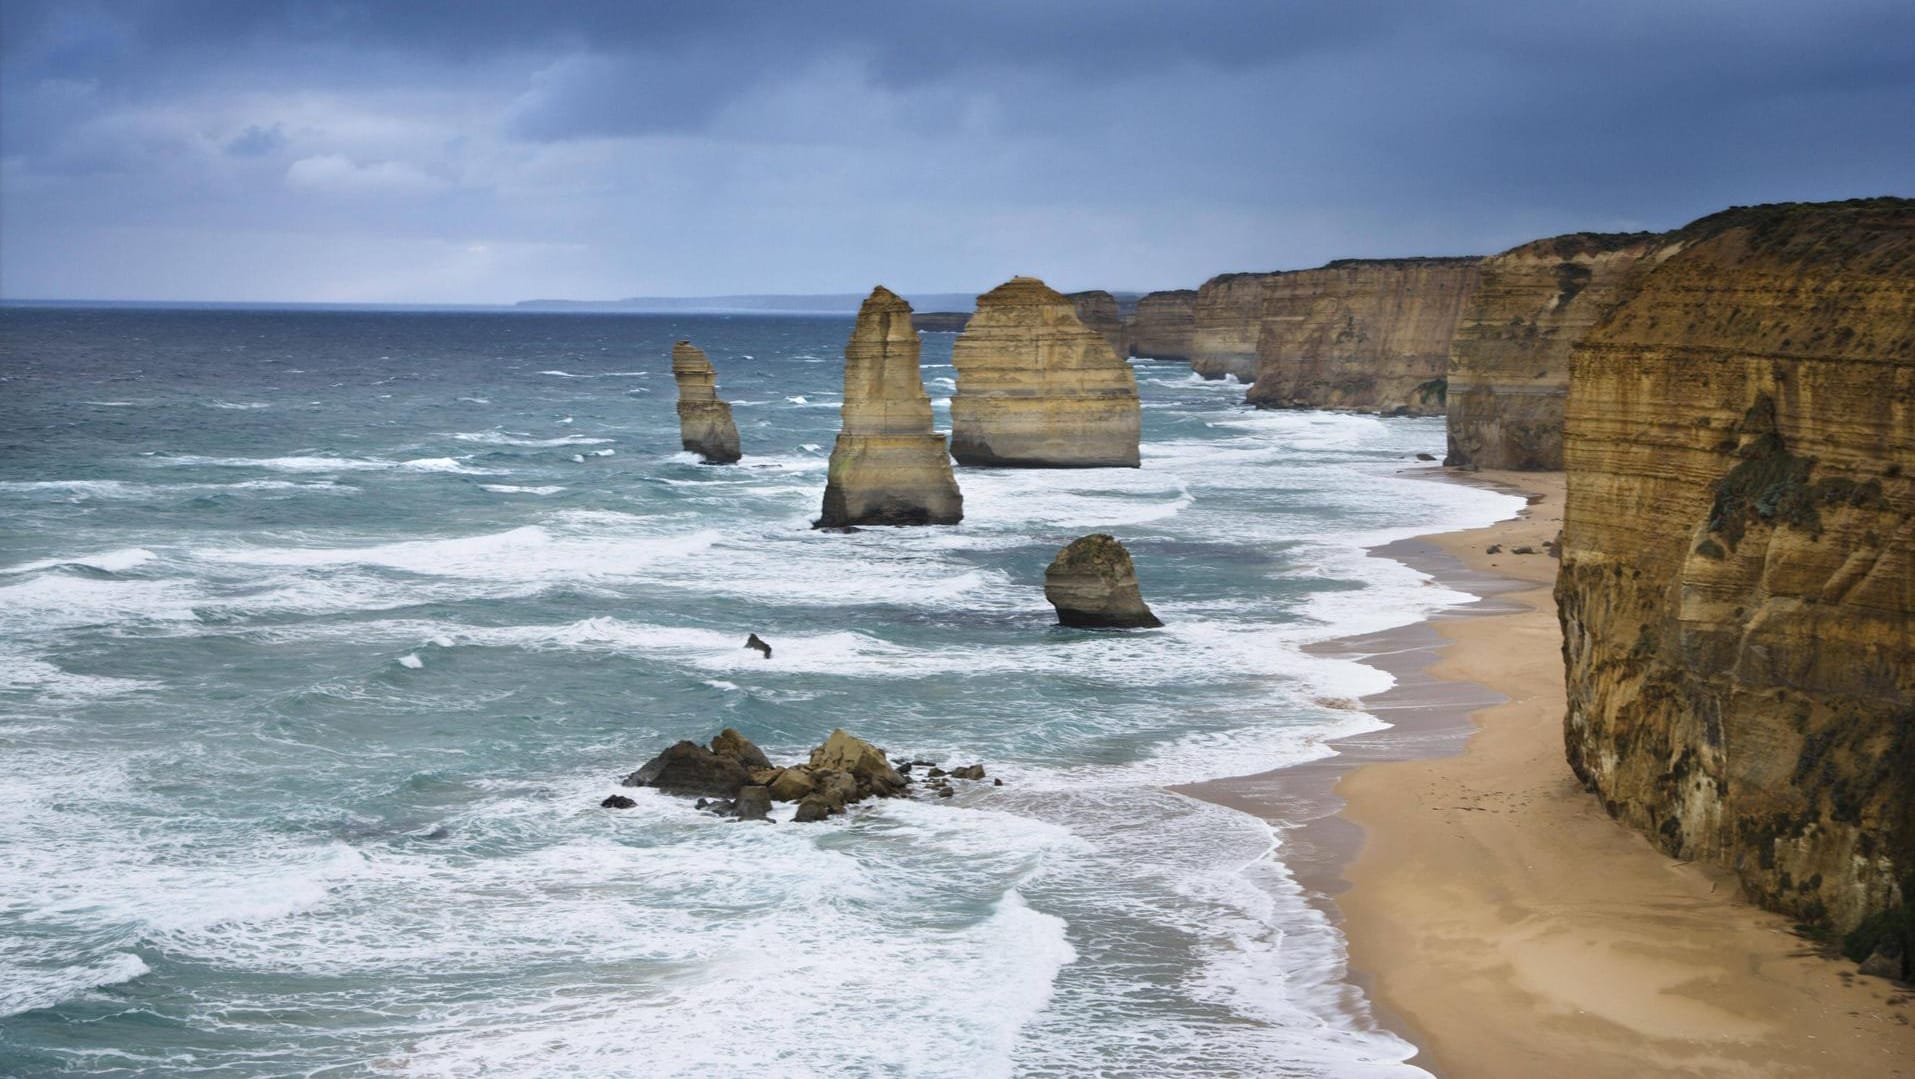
(705, 425)
(1037, 388)
(888, 466)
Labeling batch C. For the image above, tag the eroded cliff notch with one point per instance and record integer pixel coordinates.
(1036, 388)
(705, 425)
(888, 467)
(1738, 583)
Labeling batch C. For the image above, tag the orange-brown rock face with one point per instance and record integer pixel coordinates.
(1226, 319)
(1366, 334)
(1738, 583)
(1036, 388)
(1162, 325)
(1098, 310)
(888, 466)
(705, 425)
(1509, 361)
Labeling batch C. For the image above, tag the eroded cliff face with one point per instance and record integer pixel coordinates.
(1509, 359)
(1162, 326)
(705, 425)
(888, 467)
(1099, 310)
(1364, 334)
(1738, 583)
(1036, 388)
(1226, 318)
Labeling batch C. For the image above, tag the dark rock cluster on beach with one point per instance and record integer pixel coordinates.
(732, 777)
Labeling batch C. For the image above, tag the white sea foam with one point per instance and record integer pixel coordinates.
(115, 561)
(25, 989)
(515, 489)
(509, 438)
(411, 661)
(317, 463)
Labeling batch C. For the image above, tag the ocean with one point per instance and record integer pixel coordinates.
(323, 633)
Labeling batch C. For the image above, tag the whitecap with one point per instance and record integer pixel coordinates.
(25, 989)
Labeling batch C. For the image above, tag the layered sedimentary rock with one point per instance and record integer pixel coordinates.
(1036, 388)
(888, 466)
(1738, 583)
(1226, 318)
(1093, 585)
(705, 426)
(1098, 310)
(1162, 325)
(1364, 334)
(1509, 361)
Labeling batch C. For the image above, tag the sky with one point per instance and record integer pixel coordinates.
(428, 151)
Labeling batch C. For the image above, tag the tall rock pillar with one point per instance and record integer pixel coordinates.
(888, 466)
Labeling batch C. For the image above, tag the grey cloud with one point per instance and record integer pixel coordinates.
(734, 145)
(257, 141)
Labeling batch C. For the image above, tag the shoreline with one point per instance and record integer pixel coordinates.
(1494, 916)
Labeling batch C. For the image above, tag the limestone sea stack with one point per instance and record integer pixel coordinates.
(1737, 591)
(1093, 585)
(1036, 388)
(888, 466)
(705, 426)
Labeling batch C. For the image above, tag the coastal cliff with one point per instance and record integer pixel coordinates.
(1099, 310)
(1737, 592)
(1036, 388)
(1362, 334)
(888, 467)
(1509, 360)
(705, 426)
(1162, 325)
(1225, 319)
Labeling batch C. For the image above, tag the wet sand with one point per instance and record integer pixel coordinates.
(1496, 916)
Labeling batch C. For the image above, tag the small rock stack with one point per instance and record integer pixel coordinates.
(705, 426)
(1094, 586)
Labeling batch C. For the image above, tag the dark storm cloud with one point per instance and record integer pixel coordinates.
(518, 148)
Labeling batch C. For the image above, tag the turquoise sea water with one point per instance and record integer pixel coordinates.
(322, 633)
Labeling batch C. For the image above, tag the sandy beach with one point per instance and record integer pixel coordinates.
(1496, 916)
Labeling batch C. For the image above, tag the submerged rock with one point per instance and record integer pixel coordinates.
(741, 781)
(689, 768)
(617, 801)
(888, 467)
(752, 803)
(705, 425)
(758, 644)
(1093, 585)
(1036, 388)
